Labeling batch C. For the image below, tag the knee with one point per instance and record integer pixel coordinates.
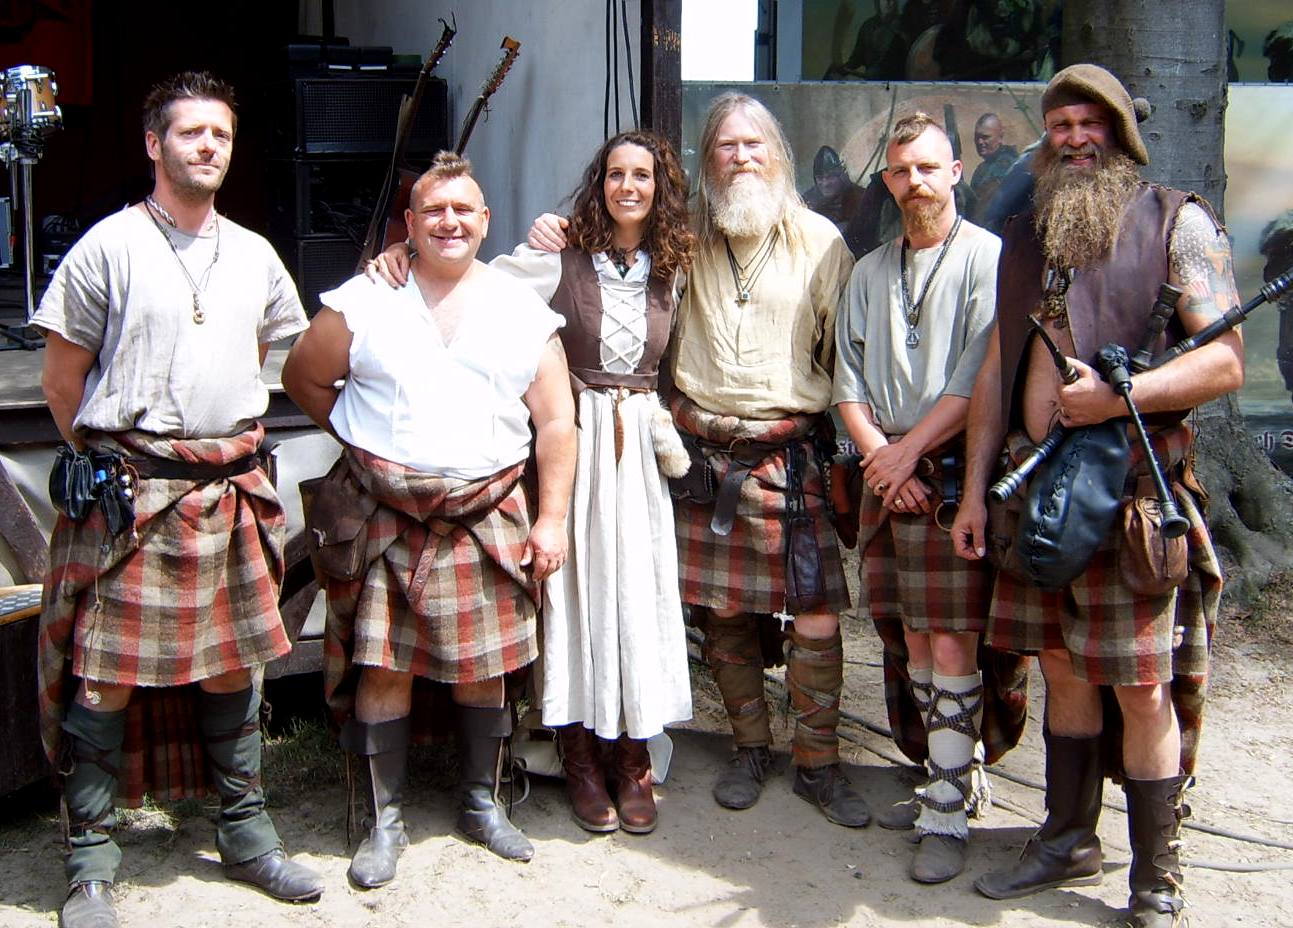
(1143, 702)
(484, 694)
(954, 654)
(235, 681)
(103, 697)
(817, 624)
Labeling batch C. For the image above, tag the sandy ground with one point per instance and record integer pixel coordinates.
(778, 864)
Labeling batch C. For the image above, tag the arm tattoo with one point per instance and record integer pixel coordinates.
(554, 346)
(1199, 255)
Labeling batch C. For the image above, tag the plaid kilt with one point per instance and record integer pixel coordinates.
(746, 569)
(444, 595)
(193, 593)
(1113, 635)
(910, 572)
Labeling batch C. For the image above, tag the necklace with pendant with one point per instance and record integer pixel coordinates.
(744, 276)
(196, 286)
(910, 310)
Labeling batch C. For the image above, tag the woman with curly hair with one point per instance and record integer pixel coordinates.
(614, 645)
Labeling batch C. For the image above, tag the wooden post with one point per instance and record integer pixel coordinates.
(661, 45)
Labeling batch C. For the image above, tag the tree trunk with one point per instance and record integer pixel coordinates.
(1174, 55)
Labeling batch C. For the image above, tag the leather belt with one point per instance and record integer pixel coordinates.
(150, 468)
(729, 490)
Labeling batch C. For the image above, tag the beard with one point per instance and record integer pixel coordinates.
(744, 205)
(1078, 212)
(185, 182)
(920, 215)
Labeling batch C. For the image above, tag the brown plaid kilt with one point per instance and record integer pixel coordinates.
(193, 593)
(746, 569)
(910, 572)
(444, 595)
(1114, 636)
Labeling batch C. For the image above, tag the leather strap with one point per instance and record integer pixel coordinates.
(150, 468)
(729, 494)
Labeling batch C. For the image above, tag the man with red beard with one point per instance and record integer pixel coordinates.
(1089, 261)
(910, 338)
(753, 350)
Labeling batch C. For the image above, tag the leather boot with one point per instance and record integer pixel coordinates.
(93, 742)
(1065, 851)
(1155, 809)
(246, 838)
(88, 905)
(830, 790)
(384, 751)
(741, 782)
(590, 804)
(482, 736)
(633, 795)
(735, 659)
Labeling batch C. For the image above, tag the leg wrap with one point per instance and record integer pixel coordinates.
(953, 728)
(231, 732)
(93, 743)
(735, 659)
(814, 678)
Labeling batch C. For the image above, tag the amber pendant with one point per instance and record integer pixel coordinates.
(199, 316)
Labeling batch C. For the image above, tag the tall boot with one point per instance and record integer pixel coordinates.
(814, 679)
(483, 733)
(1155, 809)
(384, 747)
(245, 837)
(1065, 851)
(590, 803)
(952, 727)
(94, 742)
(633, 795)
(736, 661)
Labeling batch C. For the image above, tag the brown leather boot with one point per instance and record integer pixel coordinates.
(632, 776)
(1155, 809)
(590, 804)
(1065, 851)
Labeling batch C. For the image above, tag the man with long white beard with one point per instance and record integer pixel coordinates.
(911, 336)
(1089, 262)
(753, 351)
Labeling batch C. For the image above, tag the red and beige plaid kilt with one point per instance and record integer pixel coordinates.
(444, 595)
(191, 595)
(1116, 637)
(746, 570)
(909, 571)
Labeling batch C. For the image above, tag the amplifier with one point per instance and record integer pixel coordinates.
(319, 263)
(356, 115)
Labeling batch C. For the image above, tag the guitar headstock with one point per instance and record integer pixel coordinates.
(442, 46)
(511, 49)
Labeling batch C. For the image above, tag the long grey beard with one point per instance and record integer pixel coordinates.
(1078, 215)
(746, 206)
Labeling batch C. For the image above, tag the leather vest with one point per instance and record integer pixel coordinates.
(579, 299)
(1107, 302)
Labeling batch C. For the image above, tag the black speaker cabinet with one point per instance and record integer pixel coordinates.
(356, 115)
(320, 263)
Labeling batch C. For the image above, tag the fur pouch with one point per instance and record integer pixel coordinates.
(670, 454)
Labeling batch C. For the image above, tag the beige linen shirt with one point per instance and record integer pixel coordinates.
(772, 356)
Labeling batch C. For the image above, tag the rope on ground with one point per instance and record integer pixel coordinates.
(695, 637)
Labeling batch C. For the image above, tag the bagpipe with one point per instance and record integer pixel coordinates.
(1080, 473)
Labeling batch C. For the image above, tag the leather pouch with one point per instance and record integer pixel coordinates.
(1150, 563)
(697, 485)
(336, 520)
(71, 483)
(1002, 530)
(805, 587)
(846, 498)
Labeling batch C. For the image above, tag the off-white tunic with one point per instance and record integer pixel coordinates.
(614, 645)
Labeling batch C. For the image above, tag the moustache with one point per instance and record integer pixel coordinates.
(1086, 151)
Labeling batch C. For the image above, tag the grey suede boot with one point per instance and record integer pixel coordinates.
(482, 737)
(248, 843)
(384, 751)
(89, 786)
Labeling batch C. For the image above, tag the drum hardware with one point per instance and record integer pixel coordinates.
(28, 114)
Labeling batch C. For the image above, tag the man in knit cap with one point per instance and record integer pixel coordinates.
(1087, 263)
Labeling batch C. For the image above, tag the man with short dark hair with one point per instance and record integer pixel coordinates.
(903, 374)
(444, 377)
(1087, 263)
(998, 158)
(158, 321)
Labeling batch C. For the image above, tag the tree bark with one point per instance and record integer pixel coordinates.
(1174, 55)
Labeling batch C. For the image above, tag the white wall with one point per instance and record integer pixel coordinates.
(545, 121)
